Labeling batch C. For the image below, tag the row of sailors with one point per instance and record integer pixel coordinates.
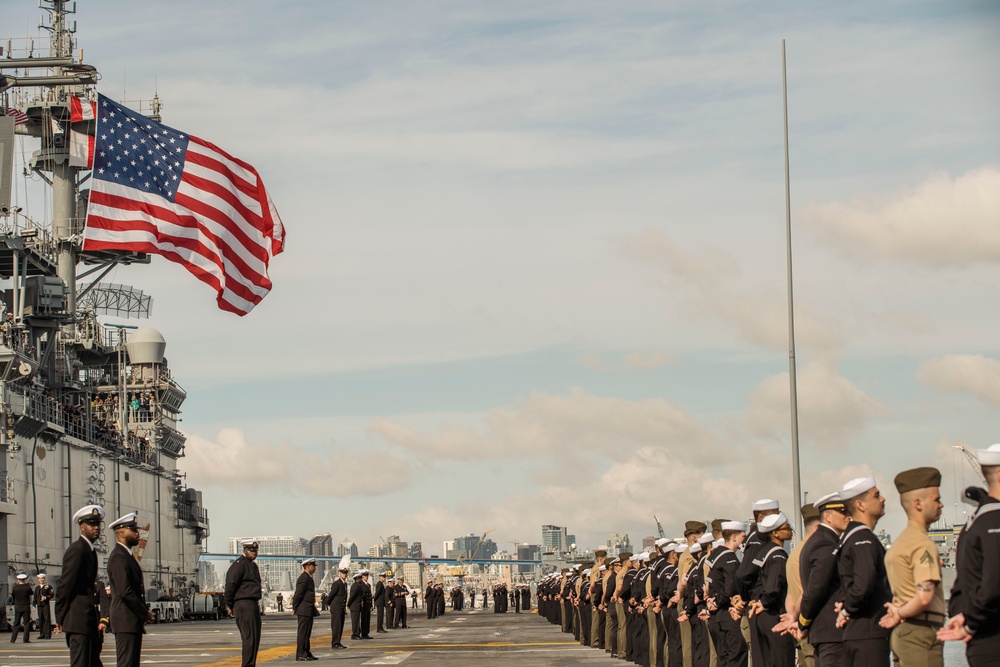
(733, 597)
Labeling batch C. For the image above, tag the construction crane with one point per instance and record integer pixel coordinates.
(659, 526)
(479, 545)
(973, 462)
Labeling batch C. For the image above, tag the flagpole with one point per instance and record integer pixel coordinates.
(793, 390)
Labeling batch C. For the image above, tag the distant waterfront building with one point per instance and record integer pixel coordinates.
(321, 545)
(397, 547)
(447, 546)
(416, 550)
(348, 547)
(527, 552)
(278, 574)
(554, 539)
(618, 543)
(378, 551)
(469, 546)
(648, 542)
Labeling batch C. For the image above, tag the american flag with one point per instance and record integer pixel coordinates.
(160, 191)
(20, 118)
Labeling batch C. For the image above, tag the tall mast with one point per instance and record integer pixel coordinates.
(793, 390)
(63, 175)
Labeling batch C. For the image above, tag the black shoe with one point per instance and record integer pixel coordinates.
(355, 636)
(301, 659)
(311, 657)
(339, 645)
(367, 637)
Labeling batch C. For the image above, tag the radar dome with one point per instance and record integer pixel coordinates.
(146, 346)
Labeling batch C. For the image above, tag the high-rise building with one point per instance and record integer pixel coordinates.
(279, 575)
(416, 550)
(554, 539)
(348, 547)
(648, 542)
(447, 546)
(397, 547)
(527, 552)
(617, 543)
(321, 545)
(378, 551)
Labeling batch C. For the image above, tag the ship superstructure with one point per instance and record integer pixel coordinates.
(88, 409)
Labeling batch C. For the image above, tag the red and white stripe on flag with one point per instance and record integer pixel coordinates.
(81, 150)
(81, 110)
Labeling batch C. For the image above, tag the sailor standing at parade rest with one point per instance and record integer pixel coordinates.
(861, 564)
(76, 614)
(771, 592)
(974, 605)
(43, 594)
(243, 594)
(749, 571)
(354, 600)
(337, 599)
(21, 593)
(821, 584)
(379, 596)
(692, 531)
(917, 610)
(129, 612)
(304, 608)
(723, 598)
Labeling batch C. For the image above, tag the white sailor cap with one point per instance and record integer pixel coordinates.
(40, 575)
(719, 542)
(734, 525)
(22, 576)
(706, 539)
(856, 487)
(602, 568)
(124, 521)
(765, 504)
(644, 557)
(89, 514)
(695, 548)
(250, 543)
(308, 561)
(771, 522)
(989, 456)
(586, 572)
(679, 548)
(660, 542)
(635, 558)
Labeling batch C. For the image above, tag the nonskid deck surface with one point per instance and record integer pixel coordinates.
(470, 637)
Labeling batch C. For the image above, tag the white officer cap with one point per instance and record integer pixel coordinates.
(719, 542)
(734, 525)
(828, 498)
(856, 487)
(22, 576)
(250, 543)
(771, 522)
(308, 561)
(705, 539)
(765, 504)
(365, 572)
(989, 456)
(695, 548)
(89, 514)
(124, 521)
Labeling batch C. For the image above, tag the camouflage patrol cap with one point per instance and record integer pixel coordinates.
(692, 527)
(917, 478)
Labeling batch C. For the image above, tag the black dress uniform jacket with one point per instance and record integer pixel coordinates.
(820, 586)
(75, 610)
(242, 581)
(128, 592)
(976, 592)
(304, 599)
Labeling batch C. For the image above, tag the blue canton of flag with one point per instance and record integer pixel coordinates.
(134, 151)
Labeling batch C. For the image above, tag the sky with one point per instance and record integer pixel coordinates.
(535, 260)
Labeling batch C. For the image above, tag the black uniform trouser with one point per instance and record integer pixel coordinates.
(84, 649)
(247, 613)
(472, 601)
(337, 618)
(602, 620)
(356, 624)
(756, 648)
(777, 650)
(401, 614)
(380, 616)
(830, 654)
(675, 652)
(611, 617)
(22, 619)
(661, 637)
(128, 649)
(585, 611)
(44, 621)
(390, 615)
(867, 652)
(640, 654)
(366, 621)
(699, 643)
(730, 647)
(302, 635)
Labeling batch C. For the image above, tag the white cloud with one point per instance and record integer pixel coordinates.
(832, 409)
(717, 288)
(944, 221)
(972, 374)
(546, 425)
(645, 360)
(231, 462)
